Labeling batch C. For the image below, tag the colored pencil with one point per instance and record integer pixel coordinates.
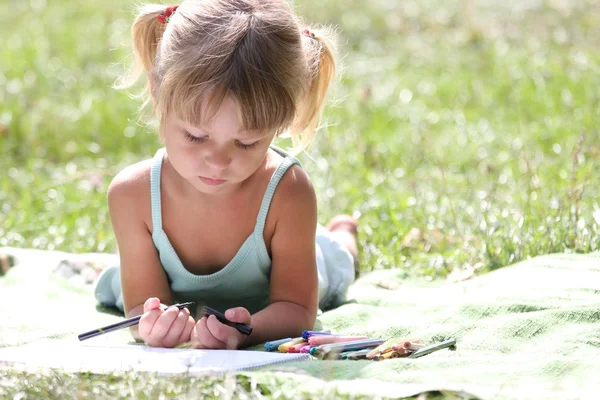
(327, 350)
(307, 334)
(327, 339)
(273, 345)
(283, 348)
(434, 347)
(355, 355)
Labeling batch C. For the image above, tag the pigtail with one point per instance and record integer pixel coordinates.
(146, 33)
(321, 68)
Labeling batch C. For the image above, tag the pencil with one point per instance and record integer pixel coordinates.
(434, 347)
(123, 324)
(283, 348)
(274, 344)
(307, 334)
(328, 339)
(355, 355)
(326, 350)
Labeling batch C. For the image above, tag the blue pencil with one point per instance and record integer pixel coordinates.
(307, 334)
(273, 345)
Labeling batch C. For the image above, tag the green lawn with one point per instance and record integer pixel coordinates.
(464, 133)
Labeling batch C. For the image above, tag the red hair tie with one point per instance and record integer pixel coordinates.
(308, 33)
(165, 17)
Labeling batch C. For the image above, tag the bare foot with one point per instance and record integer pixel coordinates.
(80, 270)
(345, 228)
(6, 261)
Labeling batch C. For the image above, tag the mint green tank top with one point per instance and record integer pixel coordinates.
(245, 281)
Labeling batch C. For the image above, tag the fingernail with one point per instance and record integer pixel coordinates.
(230, 313)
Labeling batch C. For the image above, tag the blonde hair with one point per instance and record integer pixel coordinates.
(252, 50)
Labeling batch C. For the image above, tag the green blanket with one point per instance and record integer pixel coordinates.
(526, 331)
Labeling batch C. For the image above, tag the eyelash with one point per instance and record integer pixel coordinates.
(196, 139)
(246, 146)
(193, 139)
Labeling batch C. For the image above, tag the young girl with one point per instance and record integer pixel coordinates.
(219, 216)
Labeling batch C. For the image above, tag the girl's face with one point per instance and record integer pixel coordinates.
(216, 158)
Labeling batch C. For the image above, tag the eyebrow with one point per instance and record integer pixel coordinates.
(242, 134)
(251, 136)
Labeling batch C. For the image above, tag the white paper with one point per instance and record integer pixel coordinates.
(83, 357)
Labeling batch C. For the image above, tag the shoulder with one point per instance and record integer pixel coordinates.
(295, 193)
(131, 184)
(296, 182)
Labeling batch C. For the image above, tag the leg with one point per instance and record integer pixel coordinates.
(345, 228)
(6, 261)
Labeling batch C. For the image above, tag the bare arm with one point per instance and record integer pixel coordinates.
(142, 276)
(294, 282)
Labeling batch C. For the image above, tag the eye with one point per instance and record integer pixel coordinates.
(244, 146)
(194, 139)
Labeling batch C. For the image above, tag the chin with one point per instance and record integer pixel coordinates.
(214, 189)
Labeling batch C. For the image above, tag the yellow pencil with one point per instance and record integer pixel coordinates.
(283, 348)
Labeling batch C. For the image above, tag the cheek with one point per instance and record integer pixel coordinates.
(247, 164)
(170, 143)
(179, 146)
(179, 155)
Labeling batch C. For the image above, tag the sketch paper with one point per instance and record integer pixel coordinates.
(83, 357)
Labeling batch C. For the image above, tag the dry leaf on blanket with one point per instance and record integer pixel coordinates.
(388, 285)
(459, 275)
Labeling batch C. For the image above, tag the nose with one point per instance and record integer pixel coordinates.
(217, 159)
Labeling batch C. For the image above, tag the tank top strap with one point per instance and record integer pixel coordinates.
(287, 162)
(155, 190)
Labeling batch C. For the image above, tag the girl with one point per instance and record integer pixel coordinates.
(219, 216)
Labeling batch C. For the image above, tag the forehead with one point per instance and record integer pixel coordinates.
(224, 119)
(207, 114)
(217, 109)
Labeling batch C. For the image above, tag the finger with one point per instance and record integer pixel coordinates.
(151, 304)
(206, 337)
(171, 338)
(186, 335)
(147, 323)
(194, 340)
(224, 333)
(162, 325)
(238, 314)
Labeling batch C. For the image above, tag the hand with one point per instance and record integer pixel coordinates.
(210, 333)
(165, 328)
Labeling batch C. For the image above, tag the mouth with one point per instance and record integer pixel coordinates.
(212, 182)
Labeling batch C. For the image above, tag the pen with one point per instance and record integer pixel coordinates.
(434, 347)
(123, 324)
(242, 328)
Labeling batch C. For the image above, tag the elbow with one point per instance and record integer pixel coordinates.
(304, 319)
(308, 322)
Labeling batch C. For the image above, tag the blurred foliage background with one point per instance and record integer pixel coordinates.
(463, 134)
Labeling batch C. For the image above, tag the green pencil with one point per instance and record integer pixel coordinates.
(434, 347)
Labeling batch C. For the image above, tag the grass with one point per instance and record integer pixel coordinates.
(54, 385)
(462, 133)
